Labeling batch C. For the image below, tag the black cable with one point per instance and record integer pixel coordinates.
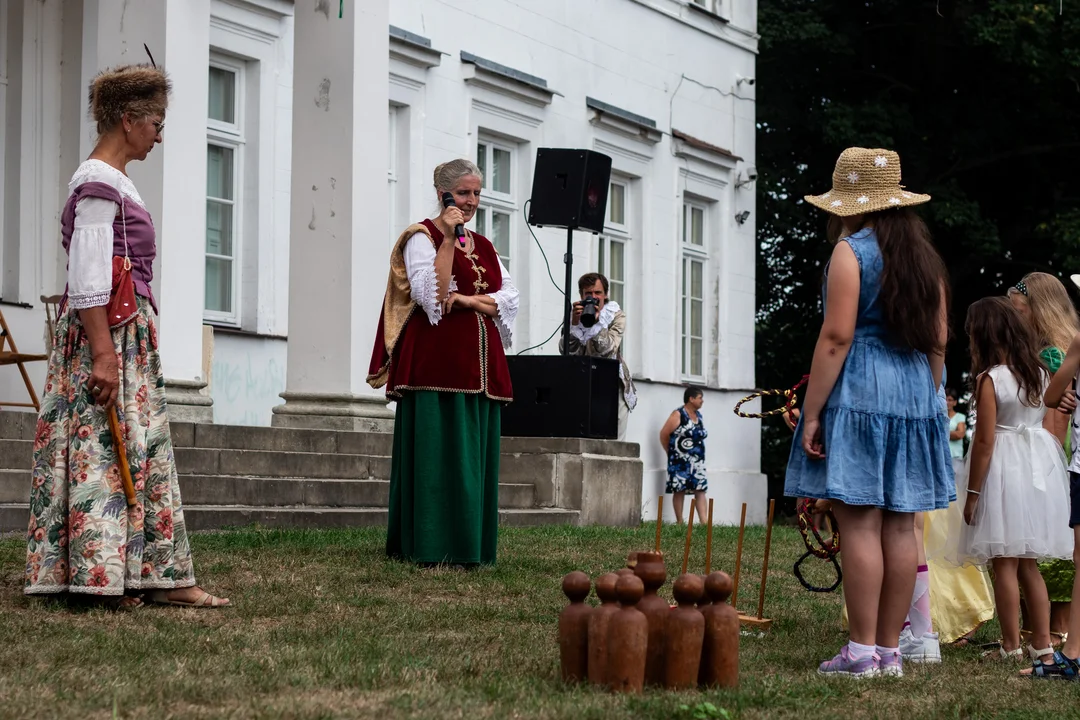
(525, 213)
(543, 343)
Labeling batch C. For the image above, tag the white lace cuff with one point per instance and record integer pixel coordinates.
(506, 299)
(424, 288)
(90, 254)
(423, 282)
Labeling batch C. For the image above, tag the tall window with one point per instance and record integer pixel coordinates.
(494, 218)
(391, 172)
(694, 258)
(612, 256)
(224, 169)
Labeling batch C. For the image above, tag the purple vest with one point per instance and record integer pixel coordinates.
(141, 238)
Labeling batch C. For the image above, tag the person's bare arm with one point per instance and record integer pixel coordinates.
(669, 427)
(833, 345)
(982, 446)
(105, 374)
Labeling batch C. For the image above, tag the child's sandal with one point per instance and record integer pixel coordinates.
(1002, 654)
(1062, 668)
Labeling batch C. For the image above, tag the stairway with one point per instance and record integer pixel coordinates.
(234, 476)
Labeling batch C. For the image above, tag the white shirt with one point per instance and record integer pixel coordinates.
(420, 267)
(90, 251)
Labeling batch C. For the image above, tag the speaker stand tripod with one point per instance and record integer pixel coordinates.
(568, 258)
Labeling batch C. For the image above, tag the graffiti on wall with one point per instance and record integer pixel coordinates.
(247, 379)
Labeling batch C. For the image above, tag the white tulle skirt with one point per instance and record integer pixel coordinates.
(1023, 509)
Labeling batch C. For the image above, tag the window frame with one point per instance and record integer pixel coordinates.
(619, 233)
(392, 167)
(232, 136)
(492, 201)
(693, 253)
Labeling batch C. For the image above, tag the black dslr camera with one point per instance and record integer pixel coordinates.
(589, 315)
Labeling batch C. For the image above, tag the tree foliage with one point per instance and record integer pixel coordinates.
(981, 100)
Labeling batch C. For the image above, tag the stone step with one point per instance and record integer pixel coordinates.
(208, 517)
(16, 454)
(14, 517)
(15, 425)
(14, 486)
(268, 463)
(272, 492)
(236, 437)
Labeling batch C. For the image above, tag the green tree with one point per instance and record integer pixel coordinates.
(981, 100)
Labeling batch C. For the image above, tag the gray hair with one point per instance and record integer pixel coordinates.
(447, 174)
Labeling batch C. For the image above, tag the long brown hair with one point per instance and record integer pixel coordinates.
(999, 335)
(913, 276)
(1052, 311)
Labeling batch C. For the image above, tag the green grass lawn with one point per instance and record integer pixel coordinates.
(325, 626)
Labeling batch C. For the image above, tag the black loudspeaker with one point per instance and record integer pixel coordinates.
(570, 189)
(560, 396)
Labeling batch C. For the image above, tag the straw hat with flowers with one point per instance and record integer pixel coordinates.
(865, 180)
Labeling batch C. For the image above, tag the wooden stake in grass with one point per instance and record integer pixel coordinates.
(708, 543)
(659, 519)
(765, 565)
(738, 559)
(689, 530)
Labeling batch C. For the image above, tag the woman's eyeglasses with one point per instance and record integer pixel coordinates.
(159, 126)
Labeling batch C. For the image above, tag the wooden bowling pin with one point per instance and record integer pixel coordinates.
(574, 628)
(720, 649)
(684, 634)
(599, 621)
(628, 638)
(653, 573)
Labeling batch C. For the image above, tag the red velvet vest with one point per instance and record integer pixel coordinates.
(464, 352)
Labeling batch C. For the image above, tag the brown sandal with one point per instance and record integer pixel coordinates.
(207, 601)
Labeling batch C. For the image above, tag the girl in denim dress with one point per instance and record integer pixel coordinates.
(872, 438)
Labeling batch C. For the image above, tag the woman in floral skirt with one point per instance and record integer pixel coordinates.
(83, 537)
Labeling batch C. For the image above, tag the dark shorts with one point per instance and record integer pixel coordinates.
(1074, 499)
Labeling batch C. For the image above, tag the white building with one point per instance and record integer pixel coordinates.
(281, 185)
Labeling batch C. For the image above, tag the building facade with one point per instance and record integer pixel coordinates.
(301, 140)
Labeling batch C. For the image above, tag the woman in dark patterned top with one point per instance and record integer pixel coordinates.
(683, 438)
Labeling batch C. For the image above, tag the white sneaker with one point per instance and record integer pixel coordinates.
(926, 649)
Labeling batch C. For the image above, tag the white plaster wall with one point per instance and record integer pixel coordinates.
(633, 55)
(656, 58)
(246, 378)
(732, 454)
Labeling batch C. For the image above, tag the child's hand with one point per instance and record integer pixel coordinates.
(811, 439)
(791, 418)
(1067, 404)
(969, 508)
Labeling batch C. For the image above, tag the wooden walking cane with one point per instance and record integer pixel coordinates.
(121, 458)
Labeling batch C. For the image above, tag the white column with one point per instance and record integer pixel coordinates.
(172, 180)
(337, 256)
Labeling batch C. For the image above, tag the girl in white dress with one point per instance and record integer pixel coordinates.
(1017, 500)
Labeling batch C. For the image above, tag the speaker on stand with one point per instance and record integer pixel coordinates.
(566, 396)
(569, 191)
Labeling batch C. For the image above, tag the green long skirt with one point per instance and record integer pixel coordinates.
(444, 479)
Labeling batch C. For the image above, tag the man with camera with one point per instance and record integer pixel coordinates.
(596, 330)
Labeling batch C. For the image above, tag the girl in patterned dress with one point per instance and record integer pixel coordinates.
(683, 439)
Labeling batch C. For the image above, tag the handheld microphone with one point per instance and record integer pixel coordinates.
(459, 230)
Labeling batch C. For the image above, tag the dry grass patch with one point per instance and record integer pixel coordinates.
(325, 626)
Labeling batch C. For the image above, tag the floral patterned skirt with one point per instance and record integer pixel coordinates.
(83, 537)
